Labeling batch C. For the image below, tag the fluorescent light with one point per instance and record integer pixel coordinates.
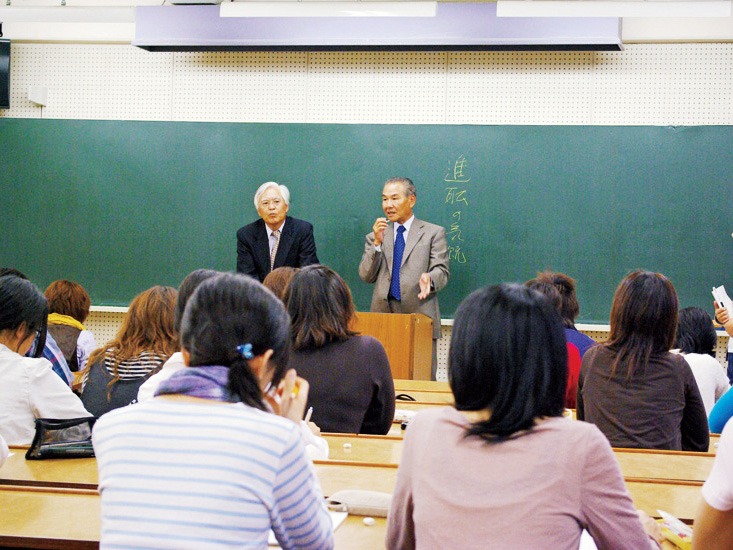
(328, 9)
(611, 8)
(66, 14)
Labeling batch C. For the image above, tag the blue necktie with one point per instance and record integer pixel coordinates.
(399, 248)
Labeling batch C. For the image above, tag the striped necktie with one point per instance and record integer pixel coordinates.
(274, 241)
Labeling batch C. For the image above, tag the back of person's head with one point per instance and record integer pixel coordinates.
(227, 312)
(278, 280)
(11, 271)
(320, 306)
(185, 291)
(68, 298)
(22, 304)
(565, 285)
(507, 355)
(146, 327)
(695, 332)
(643, 319)
(549, 290)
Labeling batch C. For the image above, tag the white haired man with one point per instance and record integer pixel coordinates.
(276, 239)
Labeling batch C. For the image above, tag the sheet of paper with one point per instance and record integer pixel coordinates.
(336, 517)
(722, 298)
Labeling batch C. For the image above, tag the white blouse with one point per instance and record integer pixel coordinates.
(29, 389)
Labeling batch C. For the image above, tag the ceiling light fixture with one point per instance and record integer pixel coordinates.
(611, 8)
(328, 9)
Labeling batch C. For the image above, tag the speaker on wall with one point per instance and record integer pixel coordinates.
(4, 74)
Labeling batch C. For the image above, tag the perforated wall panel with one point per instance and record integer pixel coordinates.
(519, 88)
(675, 84)
(107, 82)
(26, 69)
(665, 84)
(240, 86)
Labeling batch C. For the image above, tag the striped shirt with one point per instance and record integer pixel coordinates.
(188, 475)
(132, 368)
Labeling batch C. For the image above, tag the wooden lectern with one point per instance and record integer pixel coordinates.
(407, 338)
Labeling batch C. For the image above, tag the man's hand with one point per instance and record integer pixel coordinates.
(379, 226)
(425, 284)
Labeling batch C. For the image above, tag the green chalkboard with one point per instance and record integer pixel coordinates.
(120, 206)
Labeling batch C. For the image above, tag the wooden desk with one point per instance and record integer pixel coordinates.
(405, 386)
(641, 463)
(68, 519)
(673, 465)
(382, 449)
(48, 518)
(65, 473)
(444, 398)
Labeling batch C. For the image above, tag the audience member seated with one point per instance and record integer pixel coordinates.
(146, 339)
(278, 280)
(504, 468)
(44, 345)
(68, 305)
(175, 361)
(351, 386)
(578, 343)
(696, 340)
(29, 389)
(217, 467)
(713, 527)
(632, 387)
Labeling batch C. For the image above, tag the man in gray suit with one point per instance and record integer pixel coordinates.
(421, 250)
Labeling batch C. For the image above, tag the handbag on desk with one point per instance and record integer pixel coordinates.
(57, 438)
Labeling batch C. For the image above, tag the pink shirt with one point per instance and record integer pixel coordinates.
(539, 490)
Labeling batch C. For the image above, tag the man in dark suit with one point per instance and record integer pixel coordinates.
(275, 240)
(422, 251)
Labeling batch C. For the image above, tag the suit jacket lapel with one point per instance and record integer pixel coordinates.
(388, 245)
(262, 248)
(286, 241)
(413, 236)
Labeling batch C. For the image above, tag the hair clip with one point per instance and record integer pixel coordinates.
(245, 350)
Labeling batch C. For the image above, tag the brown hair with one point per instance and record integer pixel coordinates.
(320, 306)
(278, 280)
(68, 298)
(643, 319)
(147, 326)
(565, 285)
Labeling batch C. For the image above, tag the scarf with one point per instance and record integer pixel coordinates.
(58, 319)
(208, 382)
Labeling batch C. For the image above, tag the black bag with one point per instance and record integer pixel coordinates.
(67, 438)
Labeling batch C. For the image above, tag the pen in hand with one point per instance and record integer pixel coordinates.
(308, 415)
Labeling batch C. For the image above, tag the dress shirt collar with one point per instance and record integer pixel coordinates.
(406, 225)
(270, 231)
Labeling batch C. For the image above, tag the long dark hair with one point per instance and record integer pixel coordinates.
(507, 355)
(695, 332)
(643, 320)
(22, 303)
(185, 291)
(231, 310)
(565, 285)
(320, 306)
